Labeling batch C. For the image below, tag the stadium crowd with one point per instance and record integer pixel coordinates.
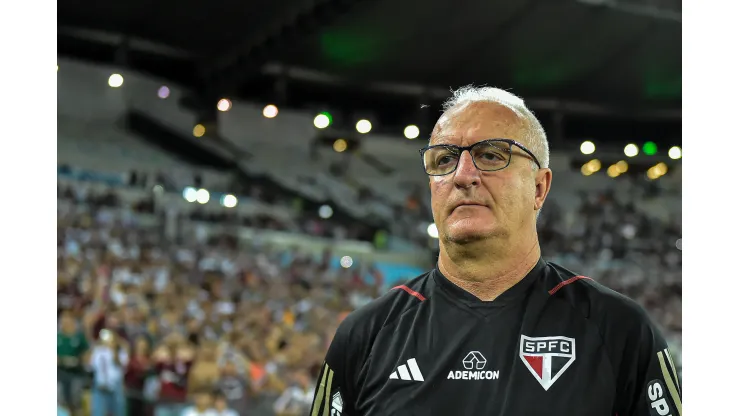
(220, 328)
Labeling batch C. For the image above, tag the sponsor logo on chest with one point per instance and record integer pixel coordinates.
(474, 365)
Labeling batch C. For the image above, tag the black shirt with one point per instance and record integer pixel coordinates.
(554, 344)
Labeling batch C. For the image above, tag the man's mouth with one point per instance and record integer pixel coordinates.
(467, 204)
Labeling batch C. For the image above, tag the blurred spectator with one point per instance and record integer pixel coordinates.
(221, 407)
(108, 360)
(139, 368)
(296, 399)
(71, 348)
(204, 373)
(173, 362)
(203, 400)
(234, 387)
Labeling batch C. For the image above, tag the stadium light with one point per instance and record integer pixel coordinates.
(432, 231)
(657, 171)
(340, 145)
(661, 168)
(652, 174)
(675, 152)
(346, 262)
(322, 121)
(270, 111)
(325, 212)
(631, 150)
(115, 80)
(202, 196)
(588, 147)
(229, 201)
(649, 148)
(411, 132)
(189, 193)
(622, 166)
(613, 171)
(199, 130)
(594, 165)
(163, 92)
(585, 170)
(364, 126)
(224, 104)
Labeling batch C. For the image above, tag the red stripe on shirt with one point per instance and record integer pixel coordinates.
(567, 282)
(411, 292)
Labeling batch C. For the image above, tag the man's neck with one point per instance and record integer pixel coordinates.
(487, 269)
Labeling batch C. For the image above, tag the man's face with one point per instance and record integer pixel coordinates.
(112, 321)
(203, 400)
(229, 369)
(220, 403)
(496, 204)
(69, 325)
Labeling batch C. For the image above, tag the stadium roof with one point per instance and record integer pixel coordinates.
(597, 57)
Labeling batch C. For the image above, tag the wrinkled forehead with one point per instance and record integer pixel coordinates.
(470, 123)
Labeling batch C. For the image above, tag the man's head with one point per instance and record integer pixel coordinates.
(203, 399)
(68, 323)
(141, 346)
(470, 204)
(229, 369)
(220, 403)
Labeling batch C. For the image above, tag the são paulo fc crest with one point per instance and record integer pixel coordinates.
(547, 358)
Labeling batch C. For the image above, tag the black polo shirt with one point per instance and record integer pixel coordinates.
(556, 343)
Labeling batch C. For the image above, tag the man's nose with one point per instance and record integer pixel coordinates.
(467, 174)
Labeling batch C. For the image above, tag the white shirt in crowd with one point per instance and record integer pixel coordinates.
(192, 411)
(294, 399)
(225, 412)
(106, 373)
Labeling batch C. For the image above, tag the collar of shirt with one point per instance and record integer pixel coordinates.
(511, 295)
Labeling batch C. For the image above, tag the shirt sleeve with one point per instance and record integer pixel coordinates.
(84, 345)
(282, 402)
(94, 358)
(123, 358)
(647, 381)
(335, 387)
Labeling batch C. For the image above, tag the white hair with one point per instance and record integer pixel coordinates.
(535, 137)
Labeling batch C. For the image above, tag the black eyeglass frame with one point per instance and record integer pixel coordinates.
(461, 149)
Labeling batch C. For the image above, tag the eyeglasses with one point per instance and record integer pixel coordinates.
(488, 155)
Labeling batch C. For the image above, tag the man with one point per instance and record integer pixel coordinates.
(108, 362)
(296, 399)
(234, 386)
(71, 348)
(494, 329)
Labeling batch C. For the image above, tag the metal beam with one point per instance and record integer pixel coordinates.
(116, 39)
(641, 8)
(572, 107)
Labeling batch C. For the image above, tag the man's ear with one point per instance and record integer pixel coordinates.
(543, 181)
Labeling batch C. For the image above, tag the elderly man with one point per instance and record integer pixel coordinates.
(495, 329)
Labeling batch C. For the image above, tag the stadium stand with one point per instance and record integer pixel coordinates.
(245, 299)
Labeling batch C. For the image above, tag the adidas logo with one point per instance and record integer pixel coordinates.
(411, 372)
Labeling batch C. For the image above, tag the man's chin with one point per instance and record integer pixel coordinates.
(467, 234)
